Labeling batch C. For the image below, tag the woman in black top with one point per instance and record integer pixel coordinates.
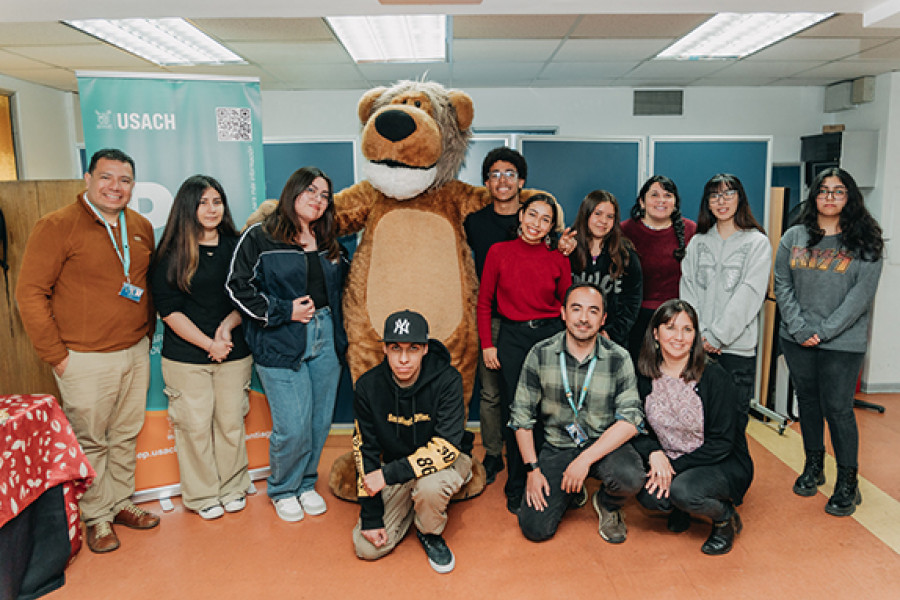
(696, 450)
(605, 257)
(205, 361)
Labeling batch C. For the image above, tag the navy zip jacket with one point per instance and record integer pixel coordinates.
(407, 432)
(264, 279)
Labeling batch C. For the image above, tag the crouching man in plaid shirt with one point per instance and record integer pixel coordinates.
(581, 386)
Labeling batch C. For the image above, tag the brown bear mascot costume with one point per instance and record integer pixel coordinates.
(413, 252)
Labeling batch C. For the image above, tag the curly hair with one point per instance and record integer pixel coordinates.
(860, 233)
(614, 242)
(638, 211)
(743, 216)
(506, 155)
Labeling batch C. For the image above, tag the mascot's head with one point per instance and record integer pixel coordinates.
(415, 135)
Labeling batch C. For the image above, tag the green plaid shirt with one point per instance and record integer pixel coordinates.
(612, 394)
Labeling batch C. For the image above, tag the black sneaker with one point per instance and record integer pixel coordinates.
(439, 555)
(492, 465)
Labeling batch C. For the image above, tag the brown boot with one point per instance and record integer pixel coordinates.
(101, 537)
(136, 518)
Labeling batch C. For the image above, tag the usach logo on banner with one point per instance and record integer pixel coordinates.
(136, 121)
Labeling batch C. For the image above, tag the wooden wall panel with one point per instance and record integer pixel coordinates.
(23, 203)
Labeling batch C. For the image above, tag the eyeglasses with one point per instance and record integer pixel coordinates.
(508, 175)
(838, 194)
(725, 196)
(326, 195)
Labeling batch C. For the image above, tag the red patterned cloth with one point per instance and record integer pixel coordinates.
(38, 450)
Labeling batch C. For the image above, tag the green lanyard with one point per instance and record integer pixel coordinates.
(584, 387)
(124, 254)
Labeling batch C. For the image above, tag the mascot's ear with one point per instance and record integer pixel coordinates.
(364, 109)
(465, 111)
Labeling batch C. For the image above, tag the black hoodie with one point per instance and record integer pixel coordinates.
(407, 432)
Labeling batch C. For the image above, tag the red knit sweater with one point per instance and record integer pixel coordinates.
(662, 273)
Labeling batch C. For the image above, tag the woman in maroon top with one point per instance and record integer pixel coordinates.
(660, 235)
(526, 278)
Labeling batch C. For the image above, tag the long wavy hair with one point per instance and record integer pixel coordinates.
(181, 238)
(284, 224)
(614, 243)
(638, 211)
(860, 233)
(650, 357)
(552, 238)
(743, 216)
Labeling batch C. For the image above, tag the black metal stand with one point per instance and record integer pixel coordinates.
(857, 403)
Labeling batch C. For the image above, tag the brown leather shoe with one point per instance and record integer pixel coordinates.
(102, 538)
(136, 518)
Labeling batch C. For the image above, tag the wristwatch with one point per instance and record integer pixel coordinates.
(529, 467)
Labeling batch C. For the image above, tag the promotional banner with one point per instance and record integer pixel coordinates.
(174, 127)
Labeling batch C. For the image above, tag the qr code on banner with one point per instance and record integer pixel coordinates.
(234, 124)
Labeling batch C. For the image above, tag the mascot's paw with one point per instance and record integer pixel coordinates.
(343, 479)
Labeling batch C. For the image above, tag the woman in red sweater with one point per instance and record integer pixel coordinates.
(660, 235)
(526, 279)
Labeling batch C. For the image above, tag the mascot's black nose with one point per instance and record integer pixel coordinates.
(395, 125)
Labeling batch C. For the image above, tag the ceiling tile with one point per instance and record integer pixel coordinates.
(415, 71)
(578, 71)
(677, 69)
(60, 79)
(851, 69)
(512, 26)
(847, 25)
(766, 68)
(11, 60)
(291, 52)
(637, 26)
(287, 30)
(814, 49)
(504, 50)
(607, 50)
(46, 33)
(889, 50)
(96, 55)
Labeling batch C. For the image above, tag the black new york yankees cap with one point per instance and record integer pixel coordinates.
(406, 326)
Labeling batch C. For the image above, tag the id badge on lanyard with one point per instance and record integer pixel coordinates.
(574, 429)
(129, 290)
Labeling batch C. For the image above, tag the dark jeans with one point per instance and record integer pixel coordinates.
(620, 471)
(513, 343)
(743, 372)
(825, 381)
(636, 336)
(699, 491)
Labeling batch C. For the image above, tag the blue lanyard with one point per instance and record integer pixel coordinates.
(584, 387)
(124, 254)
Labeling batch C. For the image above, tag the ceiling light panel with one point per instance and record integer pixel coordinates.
(400, 38)
(736, 35)
(166, 42)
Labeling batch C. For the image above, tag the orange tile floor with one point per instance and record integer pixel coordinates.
(789, 549)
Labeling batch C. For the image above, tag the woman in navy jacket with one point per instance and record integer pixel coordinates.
(286, 277)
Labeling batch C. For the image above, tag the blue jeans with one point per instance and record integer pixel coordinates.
(825, 381)
(301, 402)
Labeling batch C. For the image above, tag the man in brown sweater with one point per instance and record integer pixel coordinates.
(81, 296)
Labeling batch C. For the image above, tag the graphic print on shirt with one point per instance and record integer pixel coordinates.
(605, 283)
(732, 266)
(820, 259)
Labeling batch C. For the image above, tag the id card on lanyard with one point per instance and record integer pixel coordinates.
(129, 290)
(575, 430)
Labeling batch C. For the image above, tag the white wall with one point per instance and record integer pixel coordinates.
(783, 112)
(883, 115)
(44, 127)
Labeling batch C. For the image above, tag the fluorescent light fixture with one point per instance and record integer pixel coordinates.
(736, 35)
(165, 42)
(401, 38)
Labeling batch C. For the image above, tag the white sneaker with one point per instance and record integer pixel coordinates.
(211, 512)
(288, 509)
(313, 503)
(236, 505)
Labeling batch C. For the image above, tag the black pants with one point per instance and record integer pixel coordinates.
(621, 472)
(743, 372)
(513, 343)
(702, 491)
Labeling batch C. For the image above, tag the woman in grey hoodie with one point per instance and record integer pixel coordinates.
(724, 275)
(826, 273)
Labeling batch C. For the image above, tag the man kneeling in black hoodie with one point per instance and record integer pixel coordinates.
(410, 427)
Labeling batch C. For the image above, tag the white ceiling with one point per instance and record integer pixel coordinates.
(496, 43)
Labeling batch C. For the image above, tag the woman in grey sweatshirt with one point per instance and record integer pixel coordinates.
(826, 273)
(724, 276)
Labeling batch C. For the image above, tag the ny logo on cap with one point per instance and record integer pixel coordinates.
(401, 327)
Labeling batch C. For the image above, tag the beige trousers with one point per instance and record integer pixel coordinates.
(207, 406)
(424, 500)
(104, 396)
